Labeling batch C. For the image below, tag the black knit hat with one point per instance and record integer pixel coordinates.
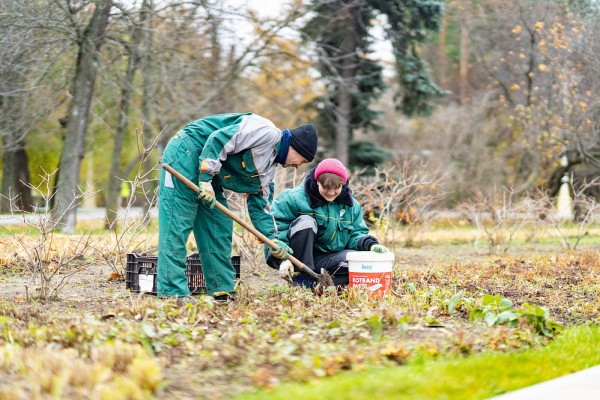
(304, 140)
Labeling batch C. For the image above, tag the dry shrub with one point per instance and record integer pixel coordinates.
(399, 196)
(48, 255)
(456, 139)
(50, 259)
(500, 216)
(586, 216)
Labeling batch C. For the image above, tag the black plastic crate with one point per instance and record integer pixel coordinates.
(195, 275)
(141, 273)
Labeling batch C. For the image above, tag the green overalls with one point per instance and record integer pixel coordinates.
(235, 151)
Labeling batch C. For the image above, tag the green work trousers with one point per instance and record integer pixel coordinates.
(179, 213)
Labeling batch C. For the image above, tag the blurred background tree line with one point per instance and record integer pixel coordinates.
(488, 93)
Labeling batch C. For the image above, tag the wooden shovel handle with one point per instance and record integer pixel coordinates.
(240, 221)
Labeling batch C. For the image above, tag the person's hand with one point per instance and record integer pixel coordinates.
(207, 194)
(283, 251)
(286, 270)
(377, 248)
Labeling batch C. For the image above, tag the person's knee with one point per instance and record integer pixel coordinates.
(302, 223)
(273, 261)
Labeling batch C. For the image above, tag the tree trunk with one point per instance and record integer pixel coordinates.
(116, 174)
(342, 125)
(347, 70)
(67, 193)
(16, 194)
(443, 60)
(18, 51)
(464, 57)
(148, 183)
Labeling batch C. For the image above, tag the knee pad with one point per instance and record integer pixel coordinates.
(301, 223)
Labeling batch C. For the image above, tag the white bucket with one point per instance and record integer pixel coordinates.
(370, 270)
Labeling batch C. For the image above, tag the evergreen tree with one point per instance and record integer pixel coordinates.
(340, 32)
(410, 21)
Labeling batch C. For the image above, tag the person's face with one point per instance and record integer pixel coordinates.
(329, 194)
(294, 159)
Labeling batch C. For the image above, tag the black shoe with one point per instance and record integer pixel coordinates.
(224, 297)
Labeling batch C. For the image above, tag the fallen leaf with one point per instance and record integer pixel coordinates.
(114, 276)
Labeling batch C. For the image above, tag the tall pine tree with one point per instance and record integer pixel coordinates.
(340, 32)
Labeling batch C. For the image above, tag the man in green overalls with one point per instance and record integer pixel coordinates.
(238, 152)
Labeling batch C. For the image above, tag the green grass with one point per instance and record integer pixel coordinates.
(476, 377)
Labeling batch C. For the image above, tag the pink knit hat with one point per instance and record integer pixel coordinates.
(333, 166)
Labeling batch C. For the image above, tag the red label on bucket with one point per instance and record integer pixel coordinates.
(377, 283)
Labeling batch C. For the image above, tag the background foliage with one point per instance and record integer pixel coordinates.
(517, 79)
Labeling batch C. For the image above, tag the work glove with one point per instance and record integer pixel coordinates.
(286, 270)
(283, 250)
(207, 194)
(377, 248)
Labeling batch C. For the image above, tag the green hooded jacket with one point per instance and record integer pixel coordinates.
(339, 226)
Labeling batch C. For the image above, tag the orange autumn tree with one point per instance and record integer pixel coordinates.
(545, 94)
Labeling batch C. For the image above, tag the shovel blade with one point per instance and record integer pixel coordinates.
(324, 281)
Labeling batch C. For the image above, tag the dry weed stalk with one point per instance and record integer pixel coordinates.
(500, 216)
(587, 214)
(399, 195)
(135, 234)
(245, 242)
(48, 255)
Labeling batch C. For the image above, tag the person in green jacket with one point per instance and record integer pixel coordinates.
(238, 152)
(321, 221)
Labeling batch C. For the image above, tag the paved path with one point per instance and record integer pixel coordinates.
(83, 214)
(582, 385)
